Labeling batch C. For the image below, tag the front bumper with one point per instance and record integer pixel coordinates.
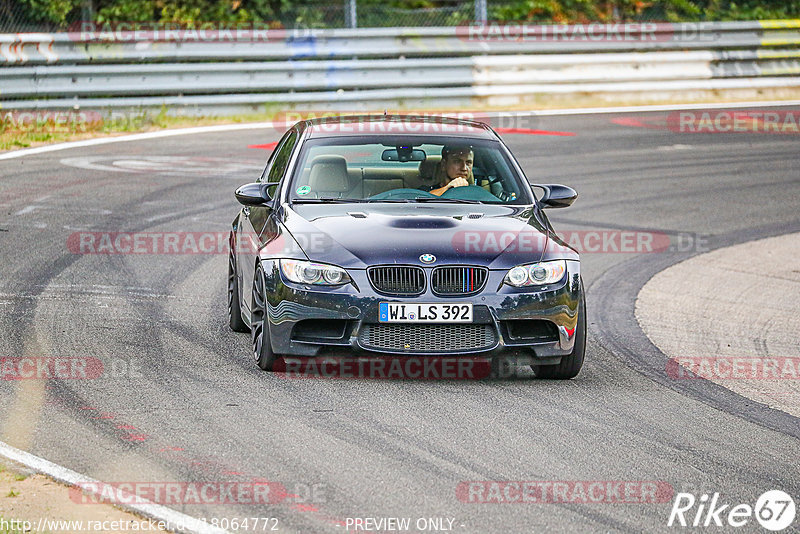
(311, 320)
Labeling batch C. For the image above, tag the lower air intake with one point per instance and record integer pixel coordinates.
(427, 337)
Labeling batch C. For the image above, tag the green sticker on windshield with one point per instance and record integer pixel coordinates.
(304, 190)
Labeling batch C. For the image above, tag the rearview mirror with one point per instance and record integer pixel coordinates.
(557, 196)
(255, 194)
(403, 154)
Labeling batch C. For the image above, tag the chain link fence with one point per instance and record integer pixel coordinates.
(449, 14)
(64, 15)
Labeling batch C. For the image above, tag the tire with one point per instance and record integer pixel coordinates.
(259, 323)
(235, 320)
(570, 364)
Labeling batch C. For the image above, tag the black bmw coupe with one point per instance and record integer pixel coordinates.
(403, 236)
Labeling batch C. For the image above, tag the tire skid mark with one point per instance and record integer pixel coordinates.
(612, 291)
(396, 445)
(192, 337)
(106, 425)
(39, 276)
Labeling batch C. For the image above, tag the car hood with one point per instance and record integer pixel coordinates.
(360, 235)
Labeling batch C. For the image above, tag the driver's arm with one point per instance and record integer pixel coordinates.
(457, 182)
(438, 192)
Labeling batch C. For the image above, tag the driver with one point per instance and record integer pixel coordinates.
(454, 170)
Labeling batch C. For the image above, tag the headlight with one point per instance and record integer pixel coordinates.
(536, 274)
(308, 272)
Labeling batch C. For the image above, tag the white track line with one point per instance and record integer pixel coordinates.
(177, 521)
(134, 137)
(256, 125)
(666, 107)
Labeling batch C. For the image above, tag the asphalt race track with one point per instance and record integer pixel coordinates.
(180, 399)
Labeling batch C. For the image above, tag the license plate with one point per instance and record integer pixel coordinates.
(403, 312)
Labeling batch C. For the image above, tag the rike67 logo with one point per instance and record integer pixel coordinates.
(774, 510)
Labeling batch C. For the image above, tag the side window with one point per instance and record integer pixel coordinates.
(271, 159)
(280, 159)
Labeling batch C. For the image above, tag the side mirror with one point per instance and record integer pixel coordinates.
(255, 194)
(557, 196)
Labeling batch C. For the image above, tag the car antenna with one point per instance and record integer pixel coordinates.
(385, 112)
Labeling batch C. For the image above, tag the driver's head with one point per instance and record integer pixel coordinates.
(456, 163)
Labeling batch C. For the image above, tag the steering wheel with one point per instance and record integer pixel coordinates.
(470, 192)
(402, 194)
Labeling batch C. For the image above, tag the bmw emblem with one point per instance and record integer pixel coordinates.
(427, 258)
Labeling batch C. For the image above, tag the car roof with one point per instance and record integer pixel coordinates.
(360, 125)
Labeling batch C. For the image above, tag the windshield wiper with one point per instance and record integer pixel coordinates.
(440, 199)
(375, 200)
(400, 200)
(326, 200)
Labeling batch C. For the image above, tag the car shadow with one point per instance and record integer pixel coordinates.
(405, 368)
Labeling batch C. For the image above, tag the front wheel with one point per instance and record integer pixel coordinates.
(570, 364)
(259, 323)
(234, 306)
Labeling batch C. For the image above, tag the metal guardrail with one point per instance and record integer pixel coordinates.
(182, 78)
(121, 47)
(411, 66)
(216, 78)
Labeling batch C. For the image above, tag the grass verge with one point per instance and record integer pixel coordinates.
(29, 129)
(24, 130)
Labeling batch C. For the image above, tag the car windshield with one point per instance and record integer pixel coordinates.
(420, 169)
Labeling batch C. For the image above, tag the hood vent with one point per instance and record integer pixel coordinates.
(357, 214)
(423, 223)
